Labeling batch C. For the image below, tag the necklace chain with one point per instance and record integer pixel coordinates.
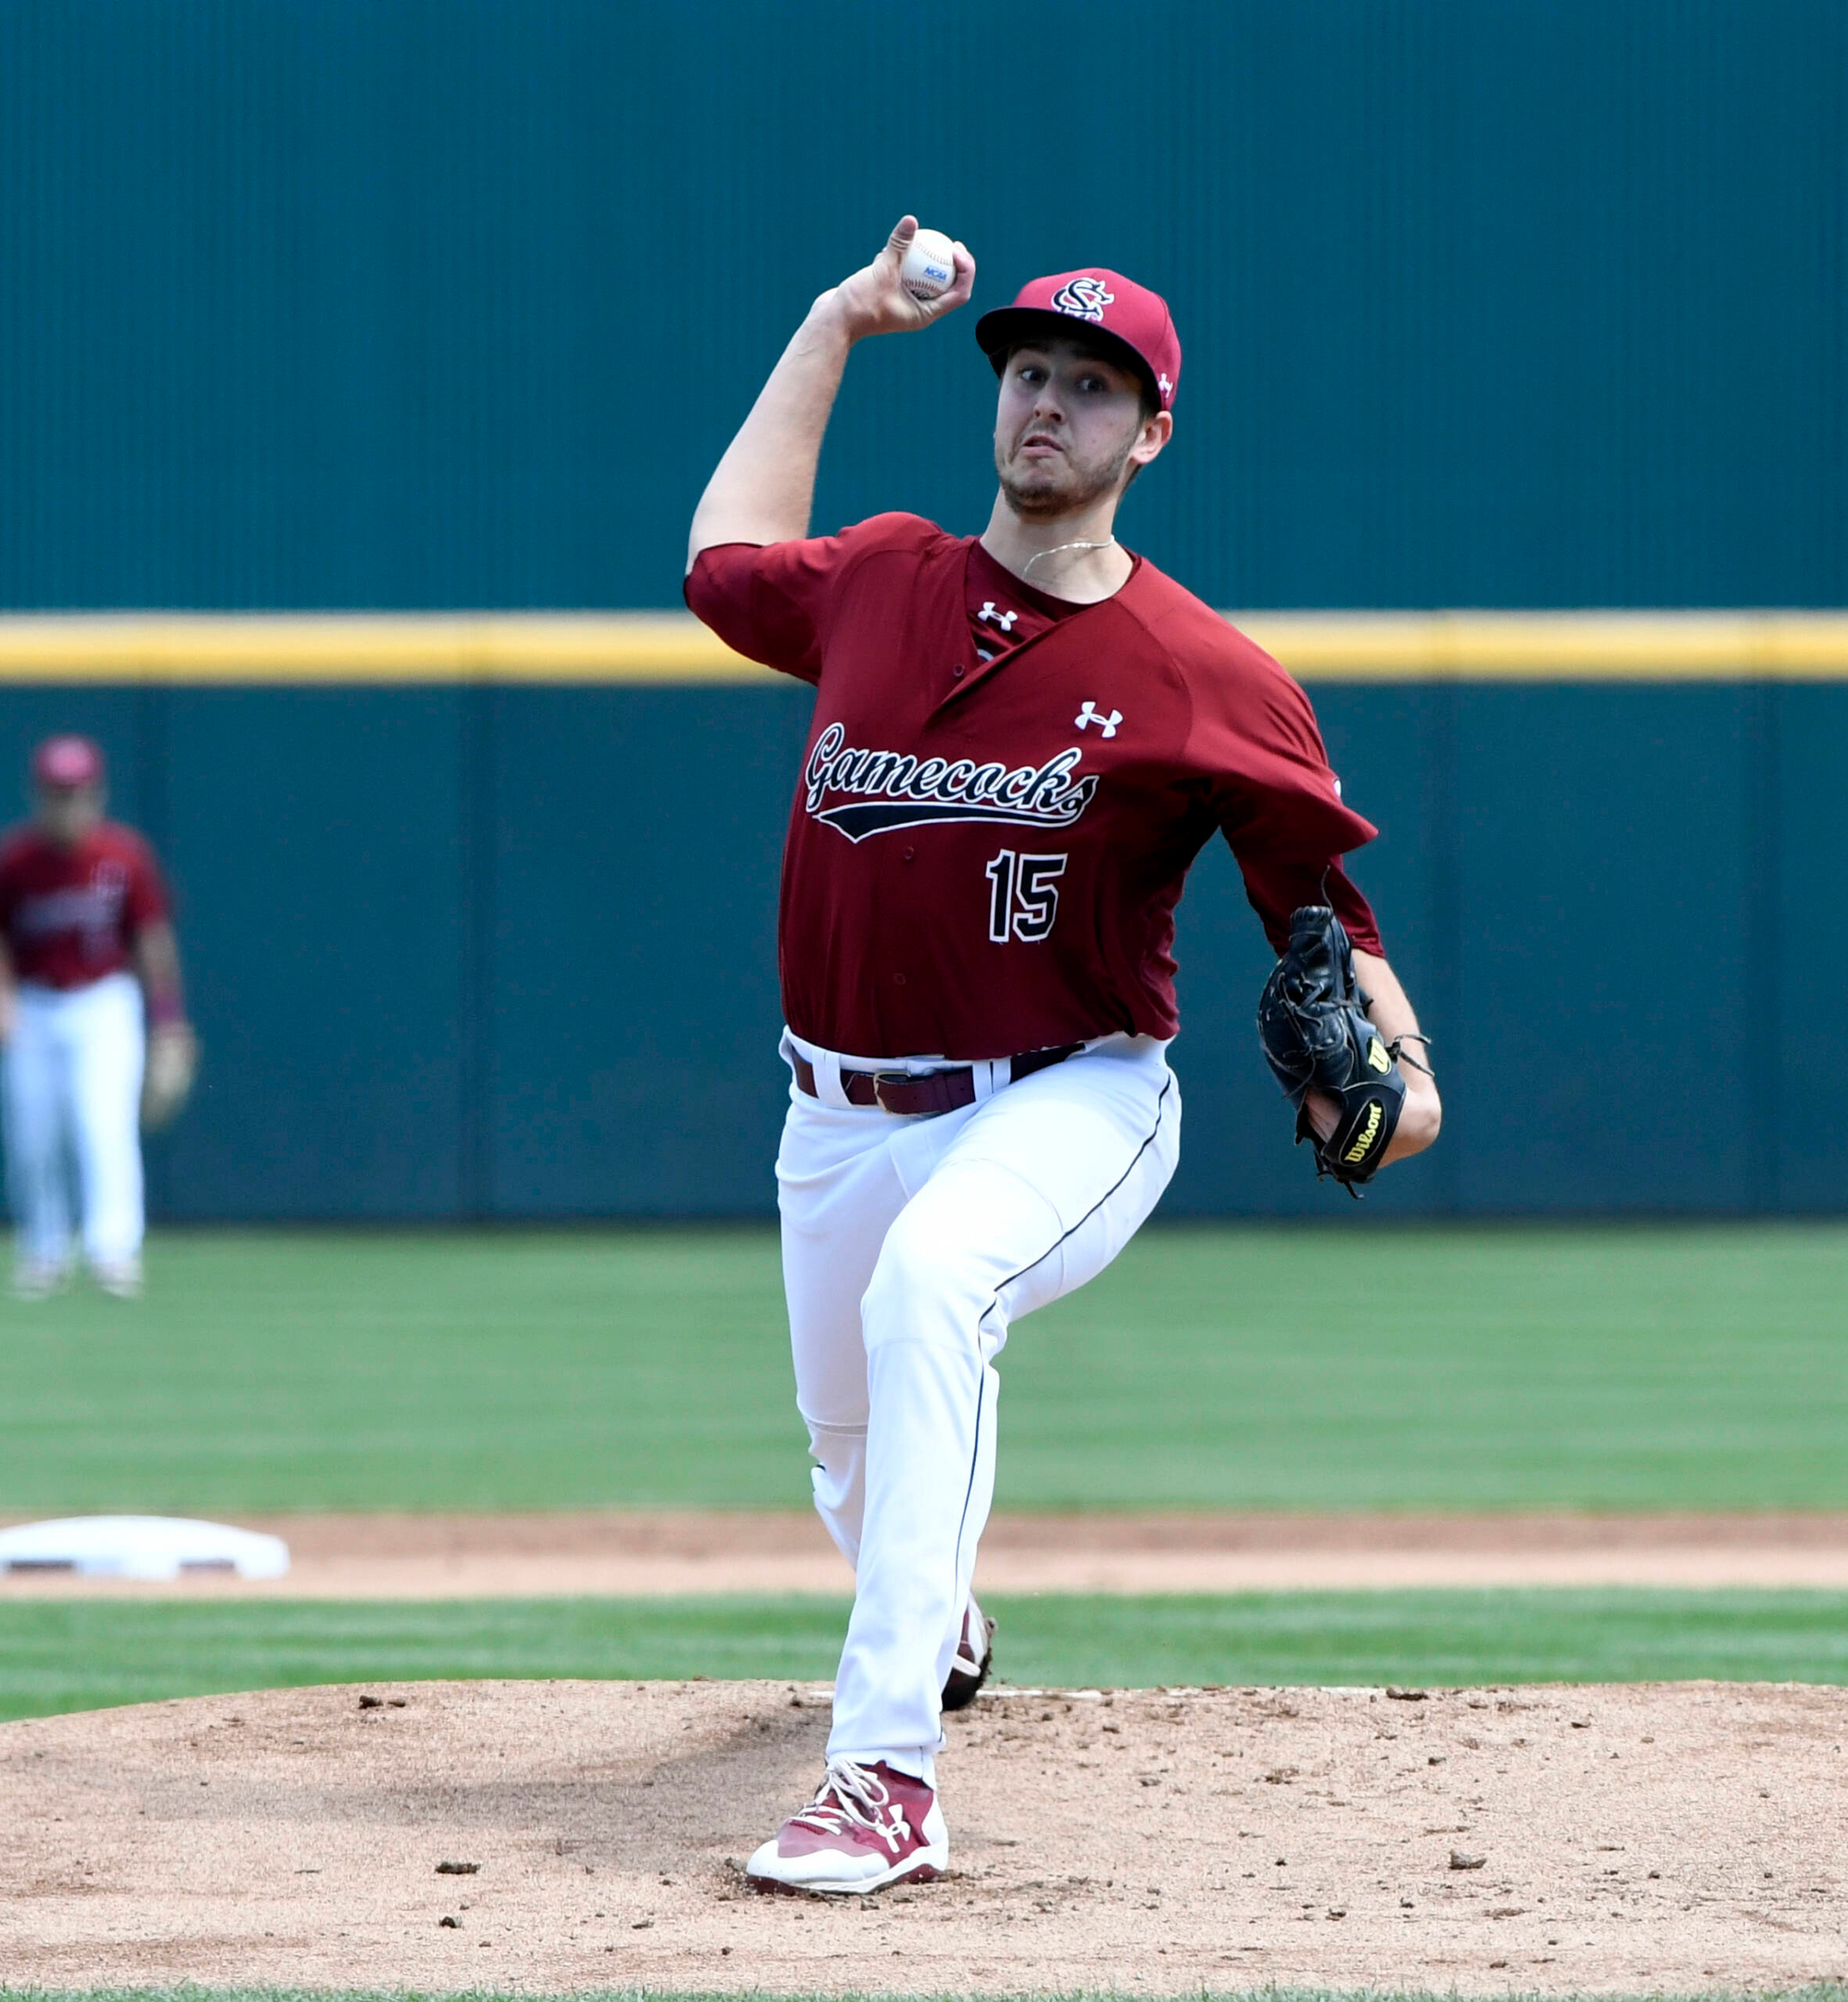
(1109, 542)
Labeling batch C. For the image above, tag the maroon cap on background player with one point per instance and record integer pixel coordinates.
(1124, 314)
(66, 761)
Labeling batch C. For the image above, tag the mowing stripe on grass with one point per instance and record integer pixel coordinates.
(90, 1653)
(1210, 1367)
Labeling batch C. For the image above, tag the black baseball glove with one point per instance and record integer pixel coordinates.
(1312, 1022)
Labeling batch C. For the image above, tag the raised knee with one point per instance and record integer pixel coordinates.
(920, 1287)
(836, 1445)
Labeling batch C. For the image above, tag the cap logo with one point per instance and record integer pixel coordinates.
(1083, 298)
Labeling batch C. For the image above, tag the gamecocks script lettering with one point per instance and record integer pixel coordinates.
(862, 792)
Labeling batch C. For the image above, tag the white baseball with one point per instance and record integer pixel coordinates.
(929, 267)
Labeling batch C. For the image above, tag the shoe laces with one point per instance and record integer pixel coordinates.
(853, 1797)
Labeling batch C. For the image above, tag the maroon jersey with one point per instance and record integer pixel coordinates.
(1003, 792)
(69, 915)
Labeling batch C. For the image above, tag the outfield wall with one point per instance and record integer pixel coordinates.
(345, 303)
(479, 914)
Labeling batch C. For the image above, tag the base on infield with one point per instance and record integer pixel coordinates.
(1682, 1838)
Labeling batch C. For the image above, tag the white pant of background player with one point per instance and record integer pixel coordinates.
(909, 1246)
(71, 1081)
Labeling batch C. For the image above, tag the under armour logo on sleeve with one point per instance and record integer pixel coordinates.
(1088, 715)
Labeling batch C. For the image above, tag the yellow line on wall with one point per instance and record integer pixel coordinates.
(189, 649)
(1555, 646)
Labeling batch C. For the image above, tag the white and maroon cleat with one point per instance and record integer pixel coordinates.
(975, 1657)
(867, 1828)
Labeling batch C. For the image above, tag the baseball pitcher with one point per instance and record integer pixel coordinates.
(95, 1032)
(1021, 740)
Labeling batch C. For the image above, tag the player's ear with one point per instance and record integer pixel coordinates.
(1156, 432)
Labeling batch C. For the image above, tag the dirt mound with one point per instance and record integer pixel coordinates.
(1680, 1838)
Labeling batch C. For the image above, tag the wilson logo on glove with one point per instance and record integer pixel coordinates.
(1375, 1114)
(1312, 1023)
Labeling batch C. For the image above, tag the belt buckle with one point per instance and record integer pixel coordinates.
(882, 1079)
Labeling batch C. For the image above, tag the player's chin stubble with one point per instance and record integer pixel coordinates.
(1043, 491)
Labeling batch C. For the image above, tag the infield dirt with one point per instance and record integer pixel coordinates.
(1680, 1838)
(624, 1553)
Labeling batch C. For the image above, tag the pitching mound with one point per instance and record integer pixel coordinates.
(551, 1837)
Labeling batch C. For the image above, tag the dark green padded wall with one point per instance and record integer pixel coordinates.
(392, 303)
(632, 1015)
(422, 303)
(511, 952)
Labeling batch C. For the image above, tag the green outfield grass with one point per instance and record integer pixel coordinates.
(87, 1654)
(1324, 1367)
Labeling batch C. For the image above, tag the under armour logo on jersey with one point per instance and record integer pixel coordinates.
(1083, 298)
(1088, 715)
(1003, 619)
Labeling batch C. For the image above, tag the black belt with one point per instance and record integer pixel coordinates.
(924, 1098)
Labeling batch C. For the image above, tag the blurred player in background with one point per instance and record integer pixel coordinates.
(89, 969)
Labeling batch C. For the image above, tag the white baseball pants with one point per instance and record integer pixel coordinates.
(70, 1081)
(909, 1246)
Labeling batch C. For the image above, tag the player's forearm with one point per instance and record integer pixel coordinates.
(157, 962)
(1393, 1015)
(764, 487)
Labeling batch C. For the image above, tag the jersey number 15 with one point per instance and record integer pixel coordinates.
(1022, 895)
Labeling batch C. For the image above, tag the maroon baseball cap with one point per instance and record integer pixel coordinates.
(66, 761)
(1113, 310)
